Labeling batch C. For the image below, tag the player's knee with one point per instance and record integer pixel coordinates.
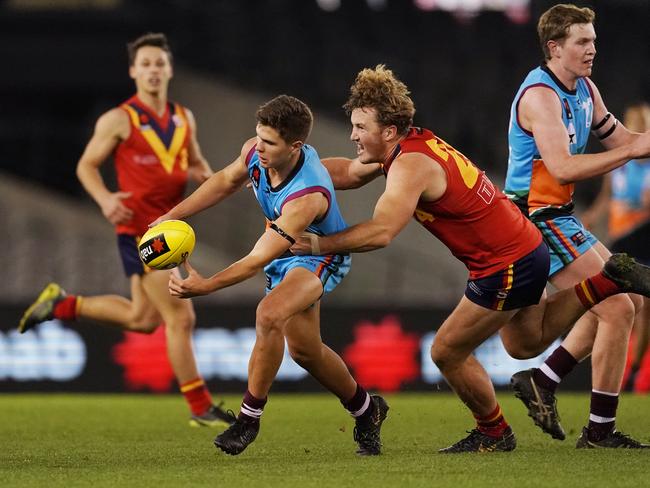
(523, 351)
(522, 345)
(618, 310)
(267, 320)
(183, 323)
(143, 320)
(144, 325)
(303, 355)
(440, 355)
(637, 302)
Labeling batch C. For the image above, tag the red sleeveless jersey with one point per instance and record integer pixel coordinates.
(473, 218)
(152, 162)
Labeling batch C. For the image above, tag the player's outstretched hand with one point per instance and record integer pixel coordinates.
(307, 243)
(193, 286)
(160, 219)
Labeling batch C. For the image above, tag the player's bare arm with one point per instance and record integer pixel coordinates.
(276, 240)
(215, 189)
(612, 133)
(605, 125)
(348, 173)
(540, 112)
(198, 168)
(411, 177)
(111, 128)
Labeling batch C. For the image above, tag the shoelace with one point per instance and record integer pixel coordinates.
(365, 437)
(469, 441)
(242, 428)
(237, 429)
(625, 438)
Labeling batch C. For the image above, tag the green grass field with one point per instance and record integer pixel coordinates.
(305, 441)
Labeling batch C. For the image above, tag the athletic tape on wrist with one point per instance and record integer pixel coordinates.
(315, 245)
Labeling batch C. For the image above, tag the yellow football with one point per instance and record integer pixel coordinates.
(167, 244)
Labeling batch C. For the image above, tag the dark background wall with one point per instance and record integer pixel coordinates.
(62, 67)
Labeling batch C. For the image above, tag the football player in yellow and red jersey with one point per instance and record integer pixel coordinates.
(153, 142)
(507, 261)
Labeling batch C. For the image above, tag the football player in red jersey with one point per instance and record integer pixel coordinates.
(153, 142)
(455, 201)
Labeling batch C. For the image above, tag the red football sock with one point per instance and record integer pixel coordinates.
(493, 424)
(595, 289)
(197, 396)
(66, 309)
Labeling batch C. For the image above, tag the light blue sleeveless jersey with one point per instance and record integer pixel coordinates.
(630, 181)
(308, 176)
(528, 182)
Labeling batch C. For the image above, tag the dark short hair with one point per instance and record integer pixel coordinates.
(289, 116)
(155, 39)
(554, 24)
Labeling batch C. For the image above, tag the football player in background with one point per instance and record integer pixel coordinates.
(153, 143)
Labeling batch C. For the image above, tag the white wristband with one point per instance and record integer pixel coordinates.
(315, 245)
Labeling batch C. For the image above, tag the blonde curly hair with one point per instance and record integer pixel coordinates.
(379, 89)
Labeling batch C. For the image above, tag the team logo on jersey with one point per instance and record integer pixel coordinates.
(154, 247)
(144, 122)
(486, 190)
(178, 122)
(255, 176)
(475, 288)
(567, 109)
(570, 127)
(146, 159)
(572, 133)
(579, 238)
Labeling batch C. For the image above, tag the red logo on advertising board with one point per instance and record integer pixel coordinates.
(382, 355)
(144, 358)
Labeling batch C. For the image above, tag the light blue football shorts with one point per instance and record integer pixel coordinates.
(330, 269)
(566, 238)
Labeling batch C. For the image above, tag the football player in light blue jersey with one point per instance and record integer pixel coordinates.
(551, 116)
(296, 194)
